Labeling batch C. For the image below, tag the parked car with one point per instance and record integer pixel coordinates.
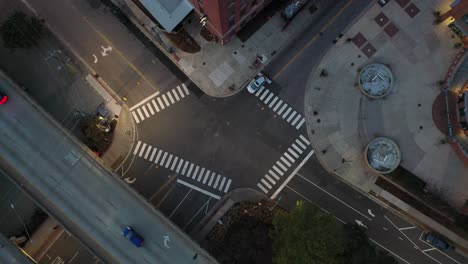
(133, 236)
(257, 83)
(3, 98)
(436, 241)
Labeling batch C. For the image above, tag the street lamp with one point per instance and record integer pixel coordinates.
(19, 217)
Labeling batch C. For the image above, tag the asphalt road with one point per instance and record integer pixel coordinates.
(196, 148)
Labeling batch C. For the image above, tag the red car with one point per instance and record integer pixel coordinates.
(3, 98)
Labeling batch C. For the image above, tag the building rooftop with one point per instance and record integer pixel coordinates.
(169, 13)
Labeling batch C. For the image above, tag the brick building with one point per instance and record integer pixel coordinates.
(224, 18)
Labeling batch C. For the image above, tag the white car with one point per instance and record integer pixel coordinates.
(257, 83)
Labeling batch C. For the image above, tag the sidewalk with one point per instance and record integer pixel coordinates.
(218, 70)
(341, 120)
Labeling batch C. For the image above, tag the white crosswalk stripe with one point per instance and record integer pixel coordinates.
(297, 148)
(228, 184)
(270, 179)
(280, 172)
(185, 89)
(259, 91)
(286, 113)
(266, 183)
(300, 144)
(281, 165)
(169, 159)
(145, 111)
(289, 157)
(147, 152)
(262, 188)
(222, 184)
(206, 176)
(180, 92)
(170, 97)
(285, 162)
(278, 105)
(274, 175)
(216, 182)
(148, 105)
(304, 139)
(282, 109)
(293, 153)
(137, 120)
(175, 94)
(195, 172)
(211, 178)
(185, 167)
(140, 114)
(180, 165)
(296, 119)
(158, 156)
(273, 102)
(268, 98)
(160, 103)
(264, 94)
(291, 116)
(300, 123)
(152, 154)
(174, 163)
(137, 147)
(142, 149)
(189, 173)
(200, 175)
(163, 159)
(155, 105)
(165, 100)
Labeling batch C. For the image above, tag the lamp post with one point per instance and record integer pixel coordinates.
(24, 225)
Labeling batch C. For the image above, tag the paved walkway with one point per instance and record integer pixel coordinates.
(341, 120)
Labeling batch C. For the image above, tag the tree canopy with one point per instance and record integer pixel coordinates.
(306, 235)
(21, 31)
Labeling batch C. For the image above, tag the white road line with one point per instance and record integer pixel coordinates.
(152, 154)
(144, 101)
(161, 104)
(291, 116)
(150, 108)
(165, 100)
(287, 112)
(163, 159)
(155, 105)
(174, 91)
(157, 156)
(190, 170)
(174, 163)
(206, 176)
(274, 175)
(281, 165)
(180, 165)
(181, 201)
(142, 149)
(429, 249)
(145, 111)
(300, 144)
(168, 161)
(170, 97)
(222, 183)
(262, 188)
(185, 89)
(266, 183)
(199, 189)
(135, 117)
(227, 186)
(297, 148)
(216, 182)
(184, 169)
(264, 94)
(396, 227)
(259, 91)
(200, 175)
(278, 105)
(304, 139)
(300, 123)
(140, 114)
(268, 98)
(292, 174)
(270, 179)
(211, 178)
(278, 170)
(293, 153)
(334, 197)
(195, 172)
(273, 102)
(289, 157)
(310, 201)
(148, 152)
(282, 109)
(296, 119)
(285, 161)
(406, 228)
(422, 233)
(180, 92)
(400, 258)
(137, 147)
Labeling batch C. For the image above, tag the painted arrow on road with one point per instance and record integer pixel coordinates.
(360, 223)
(370, 212)
(130, 181)
(166, 241)
(105, 50)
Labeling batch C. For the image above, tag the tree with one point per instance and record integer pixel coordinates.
(359, 250)
(305, 236)
(21, 31)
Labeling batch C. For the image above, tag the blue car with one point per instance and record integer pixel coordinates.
(436, 242)
(133, 236)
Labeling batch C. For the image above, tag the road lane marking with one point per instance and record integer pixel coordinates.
(300, 144)
(206, 176)
(175, 94)
(304, 139)
(292, 175)
(145, 111)
(168, 161)
(200, 175)
(296, 119)
(155, 105)
(147, 152)
(289, 157)
(181, 201)
(291, 116)
(268, 98)
(180, 165)
(222, 183)
(150, 108)
(281, 165)
(266, 183)
(137, 147)
(142, 102)
(137, 120)
(406, 228)
(274, 175)
(391, 252)
(297, 148)
(312, 40)
(396, 227)
(278, 105)
(189, 173)
(170, 97)
(285, 161)
(165, 100)
(336, 198)
(278, 170)
(264, 94)
(217, 197)
(211, 178)
(259, 91)
(287, 112)
(158, 156)
(180, 91)
(174, 163)
(185, 167)
(160, 103)
(262, 188)
(273, 102)
(270, 179)
(422, 240)
(140, 114)
(185, 89)
(300, 123)
(429, 249)
(228, 184)
(142, 150)
(163, 158)
(195, 172)
(293, 153)
(282, 109)
(152, 154)
(216, 182)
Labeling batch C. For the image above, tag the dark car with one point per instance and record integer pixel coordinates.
(133, 236)
(3, 98)
(436, 242)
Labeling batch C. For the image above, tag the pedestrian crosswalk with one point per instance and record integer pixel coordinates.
(155, 103)
(289, 157)
(280, 107)
(186, 168)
